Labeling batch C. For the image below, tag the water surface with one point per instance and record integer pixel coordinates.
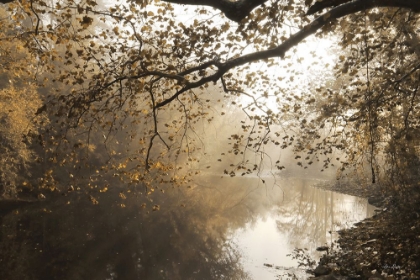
(216, 228)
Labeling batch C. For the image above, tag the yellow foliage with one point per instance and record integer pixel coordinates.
(19, 106)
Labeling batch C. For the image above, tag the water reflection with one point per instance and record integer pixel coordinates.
(306, 217)
(220, 228)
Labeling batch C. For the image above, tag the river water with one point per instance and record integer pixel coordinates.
(215, 228)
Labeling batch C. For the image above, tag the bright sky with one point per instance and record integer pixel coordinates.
(310, 64)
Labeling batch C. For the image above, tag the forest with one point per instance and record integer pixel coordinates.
(136, 98)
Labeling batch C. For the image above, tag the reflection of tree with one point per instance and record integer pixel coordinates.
(186, 239)
(309, 213)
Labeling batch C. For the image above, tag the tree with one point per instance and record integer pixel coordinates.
(19, 101)
(142, 67)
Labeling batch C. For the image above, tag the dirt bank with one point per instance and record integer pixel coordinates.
(385, 246)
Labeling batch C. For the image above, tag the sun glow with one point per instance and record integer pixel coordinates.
(306, 67)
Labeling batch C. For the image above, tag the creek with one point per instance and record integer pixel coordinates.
(215, 228)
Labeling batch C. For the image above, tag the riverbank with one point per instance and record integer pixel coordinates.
(372, 192)
(385, 246)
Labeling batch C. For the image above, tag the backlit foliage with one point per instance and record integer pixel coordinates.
(130, 86)
(19, 101)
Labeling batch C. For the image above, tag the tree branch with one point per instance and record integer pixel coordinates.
(320, 5)
(279, 51)
(235, 11)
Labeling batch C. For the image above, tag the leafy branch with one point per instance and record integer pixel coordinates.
(219, 68)
(293, 40)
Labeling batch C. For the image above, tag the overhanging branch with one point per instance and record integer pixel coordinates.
(235, 11)
(279, 51)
